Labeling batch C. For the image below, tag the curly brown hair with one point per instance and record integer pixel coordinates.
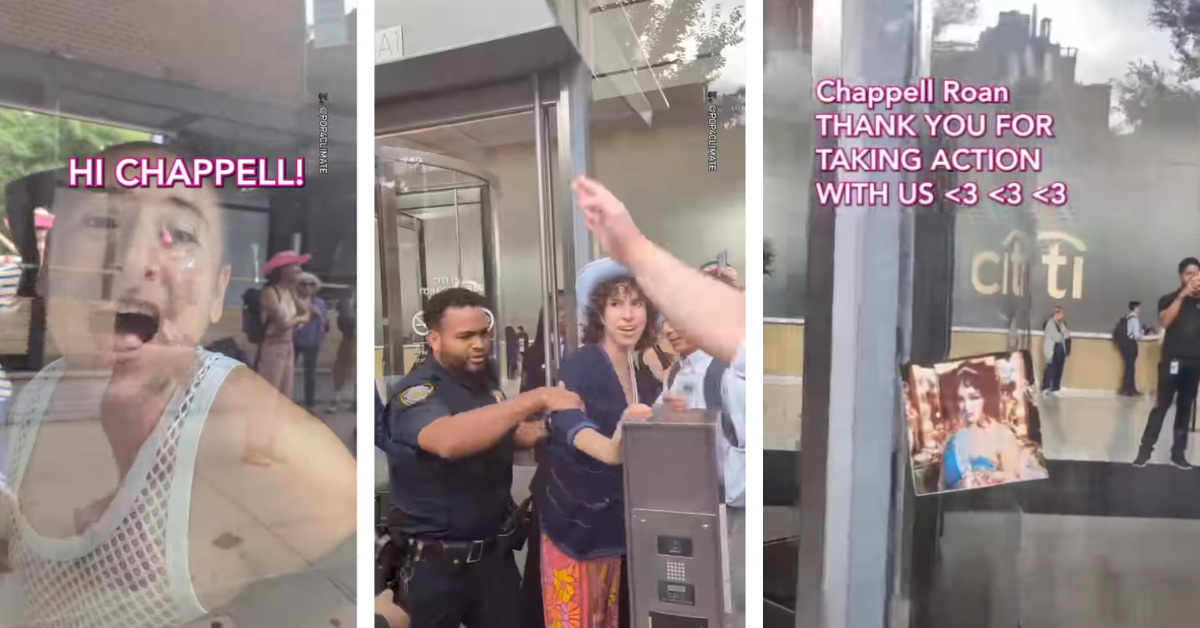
(593, 326)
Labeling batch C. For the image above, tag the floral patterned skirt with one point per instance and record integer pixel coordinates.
(579, 593)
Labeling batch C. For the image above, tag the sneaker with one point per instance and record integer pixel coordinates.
(1180, 462)
(1142, 459)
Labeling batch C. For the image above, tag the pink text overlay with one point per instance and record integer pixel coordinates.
(144, 172)
(970, 141)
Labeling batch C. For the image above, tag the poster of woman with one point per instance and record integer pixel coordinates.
(973, 423)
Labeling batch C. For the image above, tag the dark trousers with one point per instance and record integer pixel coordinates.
(1052, 376)
(1129, 354)
(308, 359)
(477, 595)
(1180, 387)
(531, 583)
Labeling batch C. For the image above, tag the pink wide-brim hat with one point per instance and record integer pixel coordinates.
(283, 258)
(42, 219)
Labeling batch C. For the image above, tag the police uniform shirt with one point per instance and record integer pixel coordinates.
(689, 384)
(465, 499)
(1182, 338)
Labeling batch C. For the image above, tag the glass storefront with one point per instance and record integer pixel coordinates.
(1101, 542)
(83, 80)
(628, 88)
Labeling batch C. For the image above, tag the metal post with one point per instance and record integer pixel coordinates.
(552, 333)
(539, 138)
(849, 434)
(574, 159)
(457, 239)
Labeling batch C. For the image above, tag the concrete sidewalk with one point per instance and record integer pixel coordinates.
(319, 592)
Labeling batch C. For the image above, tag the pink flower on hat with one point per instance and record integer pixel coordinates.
(43, 219)
(283, 258)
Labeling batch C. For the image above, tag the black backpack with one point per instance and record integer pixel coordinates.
(714, 400)
(253, 324)
(1120, 332)
(229, 347)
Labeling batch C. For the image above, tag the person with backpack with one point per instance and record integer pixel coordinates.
(1127, 333)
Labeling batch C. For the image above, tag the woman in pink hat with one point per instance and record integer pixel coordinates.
(283, 313)
(43, 222)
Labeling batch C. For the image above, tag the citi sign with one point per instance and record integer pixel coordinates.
(994, 272)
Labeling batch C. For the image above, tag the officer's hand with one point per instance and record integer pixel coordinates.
(558, 398)
(675, 402)
(529, 433)
(638, 412)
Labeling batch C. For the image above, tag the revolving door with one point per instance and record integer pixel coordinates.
(433, 220)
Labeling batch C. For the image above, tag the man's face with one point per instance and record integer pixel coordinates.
(1058, 314)
(680, 343)
(133, 269)
(1190, 274)
(463, 341)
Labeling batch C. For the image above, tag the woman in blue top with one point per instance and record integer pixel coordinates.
(983, 451)
(310, 335)
(580, 499)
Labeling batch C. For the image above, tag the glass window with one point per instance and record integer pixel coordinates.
(170, 344)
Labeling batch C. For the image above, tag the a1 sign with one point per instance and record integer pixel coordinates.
(389, 44)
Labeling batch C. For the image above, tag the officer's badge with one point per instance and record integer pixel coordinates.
(416, 394)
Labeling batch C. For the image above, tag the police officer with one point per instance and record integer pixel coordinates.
(451, 439)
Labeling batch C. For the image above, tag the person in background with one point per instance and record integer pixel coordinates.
(347, 354)
(1179, 367)
(1055, 339)
(512, 356)
(656, 360)
(43, 222)
(1128, 346)
(522, 341)
(311, 334)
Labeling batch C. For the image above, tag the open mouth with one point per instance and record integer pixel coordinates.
(134, 324)
(139, 325)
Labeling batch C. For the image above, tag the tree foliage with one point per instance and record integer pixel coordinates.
(1181, 20)
(682, 42)
(948, 13)
(32, 142)
(1146, 83)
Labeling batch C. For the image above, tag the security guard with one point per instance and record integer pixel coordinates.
(451, 437)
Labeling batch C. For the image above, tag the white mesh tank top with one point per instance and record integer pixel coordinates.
(130, 568)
